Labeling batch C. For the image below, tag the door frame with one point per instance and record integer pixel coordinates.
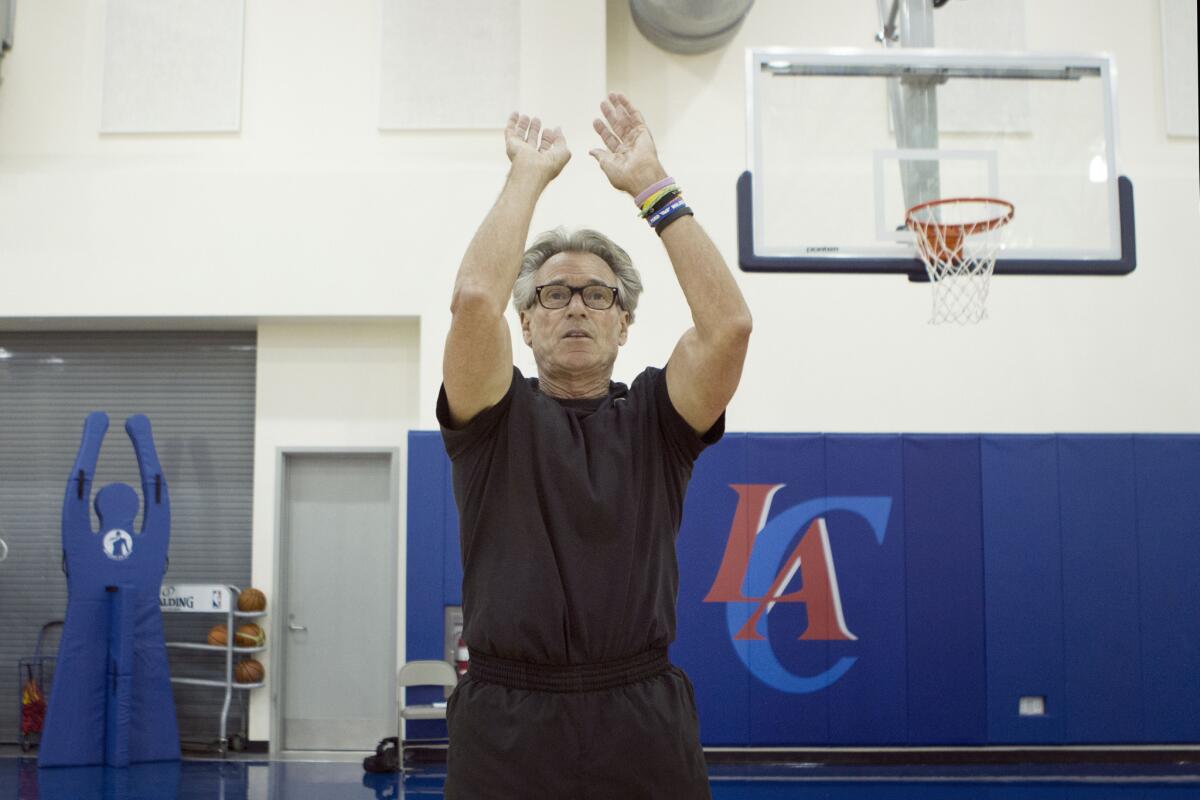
(280, 554)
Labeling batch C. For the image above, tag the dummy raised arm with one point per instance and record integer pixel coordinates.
(154, 486)
(78, 497)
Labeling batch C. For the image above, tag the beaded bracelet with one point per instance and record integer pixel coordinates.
(640, 200)
(657, 198)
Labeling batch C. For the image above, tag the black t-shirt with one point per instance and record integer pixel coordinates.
(568, 513)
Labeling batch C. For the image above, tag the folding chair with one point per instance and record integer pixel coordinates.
(423, 673)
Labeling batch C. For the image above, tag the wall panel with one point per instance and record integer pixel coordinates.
(869, 705)
(1100, 589)
(716, 664)
(947, 701)
(1168, 522)
(1022, 556)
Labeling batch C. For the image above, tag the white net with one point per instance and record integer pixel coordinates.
(959, 240)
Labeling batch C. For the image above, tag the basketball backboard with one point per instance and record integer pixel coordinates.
(842, 142)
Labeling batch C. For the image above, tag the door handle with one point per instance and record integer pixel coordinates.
(294, 627)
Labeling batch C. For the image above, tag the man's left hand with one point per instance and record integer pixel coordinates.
(631, 160)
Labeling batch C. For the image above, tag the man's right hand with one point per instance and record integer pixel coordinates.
(530, 147)
(477, 368)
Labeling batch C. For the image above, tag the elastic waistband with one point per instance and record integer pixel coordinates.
(567, 677)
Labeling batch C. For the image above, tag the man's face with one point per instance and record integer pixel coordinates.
(575, 339)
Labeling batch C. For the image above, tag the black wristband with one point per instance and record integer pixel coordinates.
(680, 214)
(663, 202)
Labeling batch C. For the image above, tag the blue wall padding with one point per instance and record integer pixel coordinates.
(943, 543)
(1022, 557)
(451, 565)
(869, 705)
(777, 717)
(1100, 588)
(429, 522)
(427, 544)
(722, 682)
(1168, 502)
(112, 701)
(971, 571)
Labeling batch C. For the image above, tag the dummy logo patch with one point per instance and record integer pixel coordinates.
(118, 544)
(760, 564)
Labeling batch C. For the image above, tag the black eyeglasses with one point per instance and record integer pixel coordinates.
(596, 296)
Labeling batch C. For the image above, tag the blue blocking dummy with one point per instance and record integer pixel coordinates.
(111, 702)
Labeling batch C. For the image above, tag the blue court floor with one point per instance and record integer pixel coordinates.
(283, 780)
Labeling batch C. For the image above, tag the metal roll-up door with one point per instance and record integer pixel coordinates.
(197, 388)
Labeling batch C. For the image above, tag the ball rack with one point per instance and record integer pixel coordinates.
(214, 599)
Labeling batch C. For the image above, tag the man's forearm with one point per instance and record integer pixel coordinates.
(719, 311)
(631, 164)
(490, 266)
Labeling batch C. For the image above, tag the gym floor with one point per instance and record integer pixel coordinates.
(342, 779)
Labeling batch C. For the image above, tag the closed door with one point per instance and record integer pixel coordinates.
(339, 598)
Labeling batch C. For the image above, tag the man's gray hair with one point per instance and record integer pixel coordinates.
(581, 240)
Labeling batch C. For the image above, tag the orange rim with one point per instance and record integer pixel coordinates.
(962, 228)
(944, 240)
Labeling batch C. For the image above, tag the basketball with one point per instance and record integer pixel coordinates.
(249, 635)
(218, 635)
(252, 600)
(248, 671)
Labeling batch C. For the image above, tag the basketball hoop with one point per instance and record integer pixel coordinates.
(959, 239)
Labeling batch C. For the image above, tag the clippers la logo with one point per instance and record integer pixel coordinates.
(757, 570)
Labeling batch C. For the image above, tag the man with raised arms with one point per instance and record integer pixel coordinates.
(570, 487)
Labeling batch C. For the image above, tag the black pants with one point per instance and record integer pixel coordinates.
(639, 739)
